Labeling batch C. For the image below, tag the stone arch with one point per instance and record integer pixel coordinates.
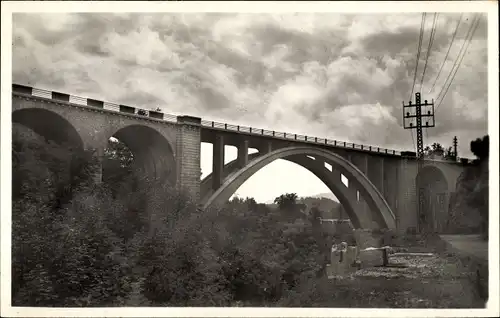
(384, 216)
(431, 183)
(52, 126)
(153, 153)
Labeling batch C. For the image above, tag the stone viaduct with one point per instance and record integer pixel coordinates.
(380, 191)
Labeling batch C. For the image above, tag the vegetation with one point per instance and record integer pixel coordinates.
(470, 203)
(77, 243)
(436, 150)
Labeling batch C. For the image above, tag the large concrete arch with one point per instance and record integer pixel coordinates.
(206, 189)
(431, 182)
(153, 154)
(384, 216)
(50, 125)
(346, 196)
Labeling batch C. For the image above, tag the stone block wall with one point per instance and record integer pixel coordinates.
(189, 155)
(407, 196)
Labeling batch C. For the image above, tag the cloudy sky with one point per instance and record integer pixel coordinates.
(328, 75)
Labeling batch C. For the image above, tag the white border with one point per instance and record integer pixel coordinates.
(7, 8)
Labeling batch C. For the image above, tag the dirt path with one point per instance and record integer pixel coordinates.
(468, 244)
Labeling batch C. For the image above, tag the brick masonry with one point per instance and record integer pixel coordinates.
(407, 212)
(189, 155)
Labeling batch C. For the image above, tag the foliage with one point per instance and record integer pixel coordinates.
(101, 246)
(472, 191)
(286, 201)
(481, 147)
(62, 253)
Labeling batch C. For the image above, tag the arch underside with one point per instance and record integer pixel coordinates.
(380, 213)
(49, 125)
(153, 154)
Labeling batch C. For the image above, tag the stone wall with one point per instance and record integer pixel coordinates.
(189, 155)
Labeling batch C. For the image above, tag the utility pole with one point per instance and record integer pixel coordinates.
(411, 112)
(455, 151)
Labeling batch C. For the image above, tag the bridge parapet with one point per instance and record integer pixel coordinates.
(296, 137)
(92, 103)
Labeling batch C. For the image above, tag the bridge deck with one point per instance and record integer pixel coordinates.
(210, 125)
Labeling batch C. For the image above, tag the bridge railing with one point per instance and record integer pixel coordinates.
(94, 103)
(298, 137)
(158, 115)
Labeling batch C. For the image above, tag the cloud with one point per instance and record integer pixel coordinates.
(341, 76)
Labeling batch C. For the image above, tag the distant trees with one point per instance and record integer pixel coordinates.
(286, 201)
(436, 150)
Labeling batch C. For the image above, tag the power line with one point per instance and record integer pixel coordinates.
(457, 58)
(473, 28)
(422, 23)
(448, 52)
(429, 47)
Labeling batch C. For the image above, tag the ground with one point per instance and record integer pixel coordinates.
(447, 279)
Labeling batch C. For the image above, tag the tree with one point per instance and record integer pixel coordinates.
(481, 147)
(286, 201)
(436, 150)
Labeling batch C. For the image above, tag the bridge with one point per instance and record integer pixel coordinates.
(376, 186)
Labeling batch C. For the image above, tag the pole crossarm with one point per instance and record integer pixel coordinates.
(423, 119)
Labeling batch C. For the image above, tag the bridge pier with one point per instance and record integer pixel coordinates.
(218, 162)
(188, 155)
(375, 172)
(407, 195)
(243, 153)
(361, 162)
(266, 147)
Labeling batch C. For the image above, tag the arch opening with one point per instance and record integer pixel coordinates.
(344, 180)
(137, 162)
(432, 186)
(314, 199)
(383, 217)
(141, 152)
(47, 138)
(49, 125)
